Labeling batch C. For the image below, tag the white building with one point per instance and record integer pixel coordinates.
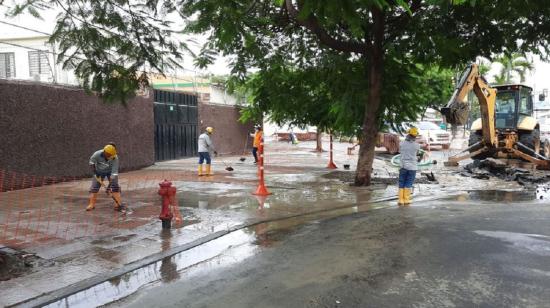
(25, 53)
(208, 92)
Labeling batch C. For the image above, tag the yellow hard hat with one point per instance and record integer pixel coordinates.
(110, 150)
(209, 130)
(413, 131)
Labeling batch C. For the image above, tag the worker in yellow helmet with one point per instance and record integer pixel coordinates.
(104, 165)
(409, 150)
(205, 147)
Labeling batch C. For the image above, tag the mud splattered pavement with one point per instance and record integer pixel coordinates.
(460, 252)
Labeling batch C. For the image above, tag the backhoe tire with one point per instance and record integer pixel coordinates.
(530, 139)
(476, 137)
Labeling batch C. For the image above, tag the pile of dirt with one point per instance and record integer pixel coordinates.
(349, 177)
(490, 167)
(14, 263)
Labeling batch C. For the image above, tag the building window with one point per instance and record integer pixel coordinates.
(38, 63)
(7, 64)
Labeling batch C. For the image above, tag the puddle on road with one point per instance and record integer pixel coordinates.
(208, 201)
(284, 196)
(496, 196)
(535, 243)
(217, 254)
(210, 187)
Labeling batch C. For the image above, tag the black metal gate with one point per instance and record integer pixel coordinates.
(176, 118)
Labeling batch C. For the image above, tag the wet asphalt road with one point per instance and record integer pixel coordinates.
(461, 252)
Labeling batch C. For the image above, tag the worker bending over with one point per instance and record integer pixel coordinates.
(409, 150)
(205, 148)
(104, 164)
(258, 135)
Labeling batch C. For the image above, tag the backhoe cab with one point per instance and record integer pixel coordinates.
(506, 128)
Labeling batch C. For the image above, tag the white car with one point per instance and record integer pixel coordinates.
(433, 134)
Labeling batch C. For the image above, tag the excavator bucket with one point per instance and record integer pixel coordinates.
(456, 113)
(457, 110)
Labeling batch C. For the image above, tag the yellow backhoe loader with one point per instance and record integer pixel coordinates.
(506, 129)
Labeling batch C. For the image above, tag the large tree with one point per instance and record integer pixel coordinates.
(383, 34)
(110, 41)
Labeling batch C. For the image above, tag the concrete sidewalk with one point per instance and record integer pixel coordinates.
(72, 245)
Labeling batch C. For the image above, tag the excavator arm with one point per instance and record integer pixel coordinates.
(457, 110)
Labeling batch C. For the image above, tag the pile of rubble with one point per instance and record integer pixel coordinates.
(490, 167)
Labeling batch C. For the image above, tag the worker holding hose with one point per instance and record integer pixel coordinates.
(409, 150)
(205, 147)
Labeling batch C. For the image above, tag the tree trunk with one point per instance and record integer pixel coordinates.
(319, 147)
(375, 70)
(370, 127)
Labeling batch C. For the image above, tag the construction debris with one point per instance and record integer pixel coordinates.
(14, 263)
(491, 167)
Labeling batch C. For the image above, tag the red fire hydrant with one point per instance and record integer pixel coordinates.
(167, 192)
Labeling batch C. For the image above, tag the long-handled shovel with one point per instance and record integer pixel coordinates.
(120, 207)
(243, 158)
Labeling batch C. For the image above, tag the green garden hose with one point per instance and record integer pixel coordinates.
(395, 161)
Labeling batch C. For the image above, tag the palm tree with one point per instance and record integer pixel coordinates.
(514, 63)
(484, 66)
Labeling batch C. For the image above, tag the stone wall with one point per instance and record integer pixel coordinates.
(48, 130)
(230, 135)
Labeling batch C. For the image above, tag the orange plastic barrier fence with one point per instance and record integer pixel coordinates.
(40, 209)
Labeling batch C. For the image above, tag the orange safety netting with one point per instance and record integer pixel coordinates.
(40, 209)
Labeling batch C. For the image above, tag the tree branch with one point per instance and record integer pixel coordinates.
(313, 25)
(400, 22)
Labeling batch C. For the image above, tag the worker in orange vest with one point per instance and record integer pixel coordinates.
(257, 140)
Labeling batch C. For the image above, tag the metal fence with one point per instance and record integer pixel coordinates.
(176, 119)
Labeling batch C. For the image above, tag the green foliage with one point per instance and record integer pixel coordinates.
(332, 95)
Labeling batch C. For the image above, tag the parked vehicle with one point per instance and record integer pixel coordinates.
(545, 139)
(433, 134)
(391, 139)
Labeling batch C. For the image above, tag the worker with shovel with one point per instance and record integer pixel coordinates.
(409, 150)
(258, 135)
(205, 148)
(104, 164)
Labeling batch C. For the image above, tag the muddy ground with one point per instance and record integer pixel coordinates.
(349, 177)
(458, 252)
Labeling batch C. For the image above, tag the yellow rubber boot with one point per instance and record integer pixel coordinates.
(208, 170)
(91, 202)
(401, 200)
(407, 196)
(200, 170)
(118, 198)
